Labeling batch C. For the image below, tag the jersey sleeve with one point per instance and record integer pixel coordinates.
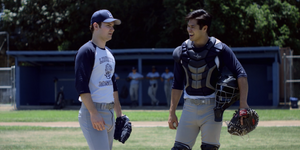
(156, 74)
(114, 80)
(178, 81)
(84, 62)
(141, 76)
(232, 63)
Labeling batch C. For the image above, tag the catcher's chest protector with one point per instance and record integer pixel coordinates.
(200, 68)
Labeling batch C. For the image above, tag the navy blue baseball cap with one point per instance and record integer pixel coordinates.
(104, 15)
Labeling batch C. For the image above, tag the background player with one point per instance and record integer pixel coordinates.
(134, 85)
(96, 84)
(199, 62)
(153, 76)
(167, 78)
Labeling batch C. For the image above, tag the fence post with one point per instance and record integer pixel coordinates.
(284, 68)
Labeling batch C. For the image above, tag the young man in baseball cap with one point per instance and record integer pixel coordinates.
(96, 84)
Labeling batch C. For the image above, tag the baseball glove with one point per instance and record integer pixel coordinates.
(122, 129)
(250, 122)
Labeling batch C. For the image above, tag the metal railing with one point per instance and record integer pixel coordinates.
(291, 76)
(7, 85)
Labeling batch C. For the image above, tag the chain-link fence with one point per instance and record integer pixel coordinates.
(291, 77)
(7, 85)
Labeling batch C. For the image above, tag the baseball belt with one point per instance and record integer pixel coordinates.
(104, 105)
(202, 101)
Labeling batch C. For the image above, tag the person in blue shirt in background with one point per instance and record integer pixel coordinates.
(153, 76)
(134, 77)
(167, 78)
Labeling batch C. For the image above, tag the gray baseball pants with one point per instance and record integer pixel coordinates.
(133, 91)
(152, 93)
(168, 89)
(97, 140)
(195, 119)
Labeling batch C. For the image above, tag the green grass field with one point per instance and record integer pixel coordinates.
(134, 115)
(142, 138)
(156, 138)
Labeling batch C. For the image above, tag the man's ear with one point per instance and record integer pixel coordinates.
(96, 25)
(205, 28)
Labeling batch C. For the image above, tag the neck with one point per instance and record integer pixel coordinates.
(201, 42)
(99, 42)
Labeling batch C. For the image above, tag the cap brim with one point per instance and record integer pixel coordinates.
(116, 21)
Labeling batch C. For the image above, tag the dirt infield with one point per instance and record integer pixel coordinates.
(141, 124)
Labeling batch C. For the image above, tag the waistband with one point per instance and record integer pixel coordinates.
(202, 101)
(102, 105)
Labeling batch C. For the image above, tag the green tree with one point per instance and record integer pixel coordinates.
(248, 23)
(64, 24)
(34, 24)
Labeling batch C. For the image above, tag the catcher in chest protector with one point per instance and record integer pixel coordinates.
(244, 120)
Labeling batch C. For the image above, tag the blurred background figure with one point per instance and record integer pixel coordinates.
(153, 76)
(167, 78)
(117, 76)
(134, 78)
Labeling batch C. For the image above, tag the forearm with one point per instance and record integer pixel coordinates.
(88, 102)
(117, 105)
(243, 88)
(175, 97)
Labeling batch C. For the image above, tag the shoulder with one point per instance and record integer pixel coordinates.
(108, 49)
(216, 43)
(86, 50)
(88, 46)
(177, 53)
(226, 48)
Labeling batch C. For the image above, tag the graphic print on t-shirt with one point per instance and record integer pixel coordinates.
(107, 63)
(108, 71)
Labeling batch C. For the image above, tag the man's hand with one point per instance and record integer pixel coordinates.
(173, 121)
(97, 122)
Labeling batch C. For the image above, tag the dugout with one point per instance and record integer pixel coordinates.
(41, 74)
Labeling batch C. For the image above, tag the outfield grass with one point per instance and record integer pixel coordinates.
(154, 138)
(134, 115)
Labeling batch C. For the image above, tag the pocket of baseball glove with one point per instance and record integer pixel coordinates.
(234, 127)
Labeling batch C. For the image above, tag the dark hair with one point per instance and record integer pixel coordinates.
(203, 18)
(92, 27)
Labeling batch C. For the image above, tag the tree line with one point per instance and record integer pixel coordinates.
(64, 24)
